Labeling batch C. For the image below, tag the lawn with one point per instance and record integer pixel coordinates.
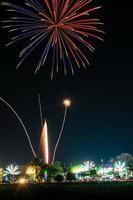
(105, 191)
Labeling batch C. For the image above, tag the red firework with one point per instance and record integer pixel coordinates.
(65, 26)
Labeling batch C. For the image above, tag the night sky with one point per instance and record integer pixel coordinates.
(99, 123)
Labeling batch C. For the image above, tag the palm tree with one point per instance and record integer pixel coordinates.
(52, 170)
(12, 171)
(88, 165)
(131, 169)
(93, 174)
(37, 165)
(120, 168)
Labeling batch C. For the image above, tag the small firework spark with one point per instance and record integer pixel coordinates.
(65, 28)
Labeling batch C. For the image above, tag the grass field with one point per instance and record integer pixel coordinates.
(105, 191)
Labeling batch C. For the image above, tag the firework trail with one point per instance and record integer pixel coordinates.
(67, 103)
(44, 143)
(65, 29)
(40, 108)
(60, 134)
(21, 122)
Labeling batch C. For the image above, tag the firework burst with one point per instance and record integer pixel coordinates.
(65, 28)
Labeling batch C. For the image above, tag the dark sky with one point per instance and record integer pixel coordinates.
(100, 121)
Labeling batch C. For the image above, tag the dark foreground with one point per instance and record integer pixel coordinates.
(104, 191)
